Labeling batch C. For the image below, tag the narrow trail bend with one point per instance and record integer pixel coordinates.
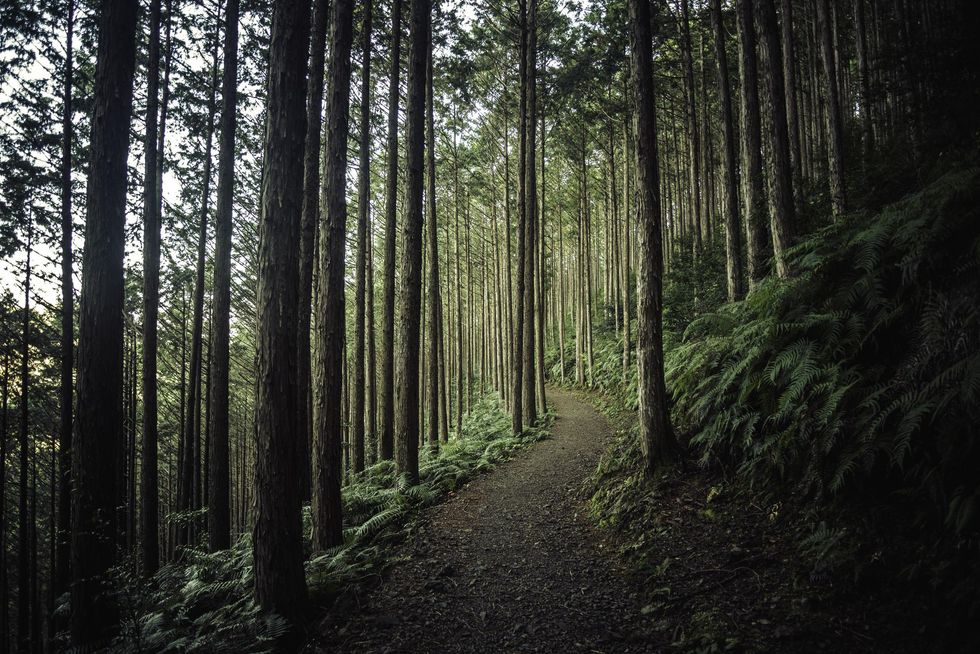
(509, 564)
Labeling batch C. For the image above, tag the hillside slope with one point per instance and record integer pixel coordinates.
(841, 404)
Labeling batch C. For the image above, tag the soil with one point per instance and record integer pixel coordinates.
(511, 563)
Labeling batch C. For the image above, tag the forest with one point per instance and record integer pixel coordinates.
(512, 326)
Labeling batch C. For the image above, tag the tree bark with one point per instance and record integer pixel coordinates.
(62, 569)
(98, 417)
(530, 209)
(627, 229)
(834, 125)
(781, 205)
(656, 436)
(150, 523)
(277, 539)
(391, 227)
(363, 211)
(733, 241)
(407, 361)
(694, 161)
(308, 233)
(4, 580)
(25, 520)
(328, 434)
(371, 434)
(510, 350)
(860, 32)
(518, 418)
(458, 288)
(435, 301)
(4, 408)
(752, 194)
(190, 474)
(792, 119)
(219, 516)
(539, 308)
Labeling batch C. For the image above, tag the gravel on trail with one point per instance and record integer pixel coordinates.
(510, 563)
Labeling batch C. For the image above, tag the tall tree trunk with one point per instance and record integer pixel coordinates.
(35, 594)
(752, 194)
(63, 528)
(192, 432)
(98, 418)
(25, 522)
(206, 421)
(277, 538)
(407, 361)
(562, 275)
(518, 417)
(219, 515)
(587, 255)
(733, 242)
(150, 523)
(860, 33)
(575, 281)
(161, 163)
(459, 290)
(694, 162)
(781, 206)
(52, 593)
(443, 374)
(469, 307)
(130, 496)
(328, 434)
(363, 211)
(656, 436)
(181, 438)
(4, 581)
(835, 127)
(530, 208)
(792, 119)
(308, 234)
(435, 301)
(391, 212)
(627, 229)
(539, 308)
(371, 434)
(510, 351)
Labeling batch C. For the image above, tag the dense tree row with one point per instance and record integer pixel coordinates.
(230, 283)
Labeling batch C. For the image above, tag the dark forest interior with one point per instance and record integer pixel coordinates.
(516, 326)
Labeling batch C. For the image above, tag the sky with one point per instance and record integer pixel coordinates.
(46, 257)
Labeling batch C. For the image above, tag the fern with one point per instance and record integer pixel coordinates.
(203, 604)
(874, 346)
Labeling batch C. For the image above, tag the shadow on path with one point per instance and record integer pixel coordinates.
(509, 564)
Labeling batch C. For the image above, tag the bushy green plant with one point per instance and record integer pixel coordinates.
(859, 377)
(856, 380)
(203, 603)
(867, 360)
(693, 285)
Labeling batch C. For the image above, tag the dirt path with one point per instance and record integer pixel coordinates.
(510, 564)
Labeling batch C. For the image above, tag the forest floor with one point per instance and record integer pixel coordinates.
(510, 563)
(513, 562)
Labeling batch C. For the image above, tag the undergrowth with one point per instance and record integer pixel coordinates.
(204, 603)
(851, 387)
